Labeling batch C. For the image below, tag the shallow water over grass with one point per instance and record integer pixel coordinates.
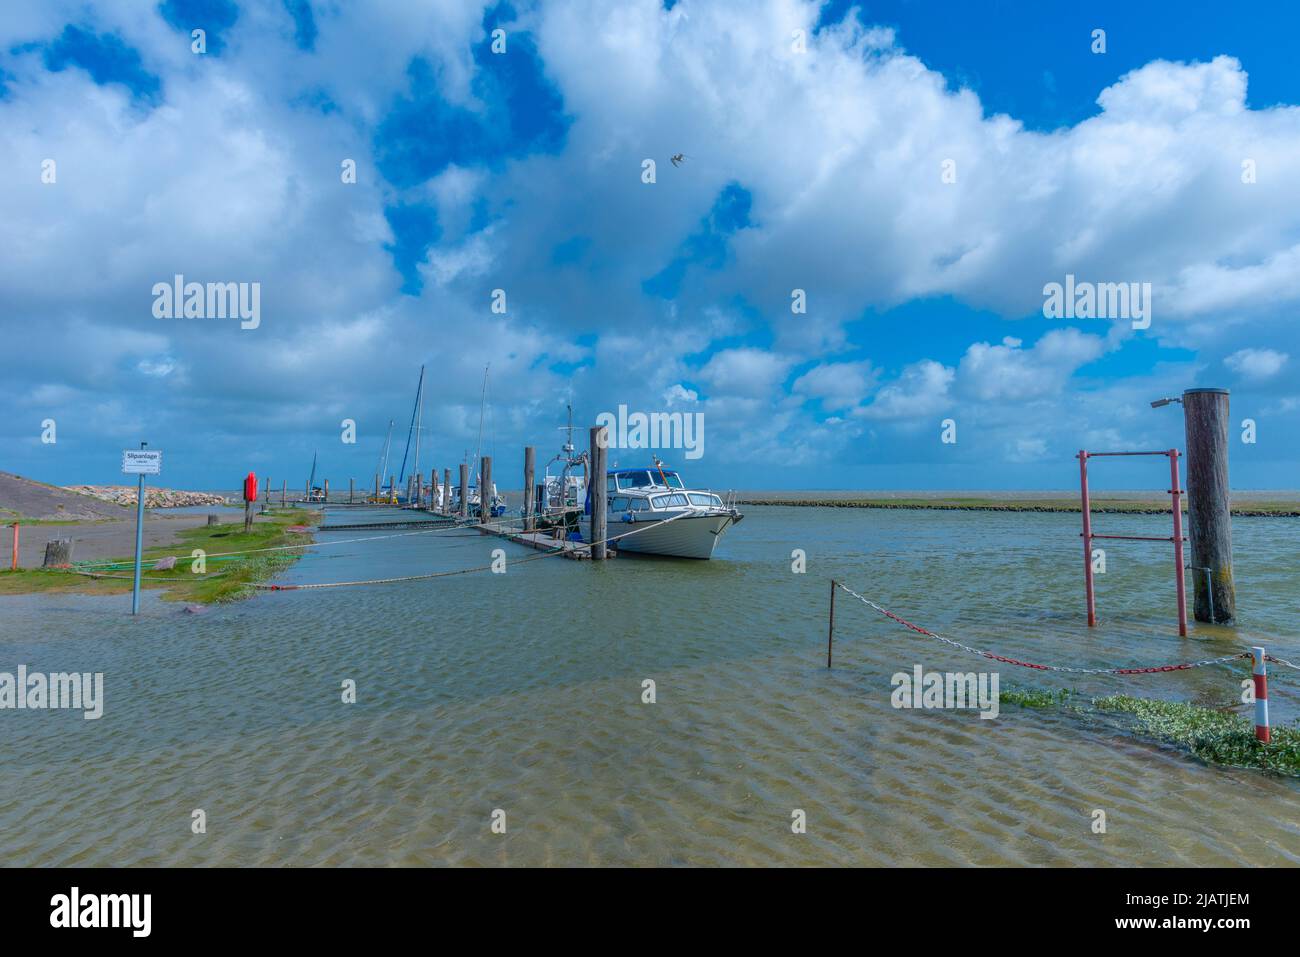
(523, 692)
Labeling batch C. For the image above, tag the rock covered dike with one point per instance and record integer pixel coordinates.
(153, 497)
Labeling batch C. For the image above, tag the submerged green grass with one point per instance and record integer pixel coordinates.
(1214, 735)
(229, 578)
(1034, 697)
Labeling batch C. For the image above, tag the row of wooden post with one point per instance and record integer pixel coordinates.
(599, 457)
(596, 473)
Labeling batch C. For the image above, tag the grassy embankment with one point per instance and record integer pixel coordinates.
(1276, 509)
(1215, 735)
(226, 579)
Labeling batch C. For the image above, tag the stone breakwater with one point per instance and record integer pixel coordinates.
(153, 497)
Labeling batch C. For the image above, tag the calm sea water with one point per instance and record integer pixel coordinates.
(522, 692)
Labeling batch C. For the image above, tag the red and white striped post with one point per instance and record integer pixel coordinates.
(1085, 507)
(1261, 696)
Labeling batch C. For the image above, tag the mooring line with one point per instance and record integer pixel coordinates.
(1156, 669)
(277, 548)
(148, 578)
(559, 550)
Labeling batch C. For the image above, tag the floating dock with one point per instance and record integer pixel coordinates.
(407, 523)
(544, 542)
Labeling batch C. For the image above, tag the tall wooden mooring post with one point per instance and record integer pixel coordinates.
(530, 465)
(596, 484)
(1205, 415)
(485, 489)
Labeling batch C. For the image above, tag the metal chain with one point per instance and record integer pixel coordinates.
(1281, 661)
(1060, 668)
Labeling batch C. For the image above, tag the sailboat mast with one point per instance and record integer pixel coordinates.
(383, 468)
(401, 474)
(419, 419)
(482, 404)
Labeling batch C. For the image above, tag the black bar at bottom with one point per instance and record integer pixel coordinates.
(335, 907)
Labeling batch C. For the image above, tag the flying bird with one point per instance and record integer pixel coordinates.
(677, 158)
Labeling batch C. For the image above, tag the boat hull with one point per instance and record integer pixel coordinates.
(692, 536)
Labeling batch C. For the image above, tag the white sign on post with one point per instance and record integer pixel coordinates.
(142, 461)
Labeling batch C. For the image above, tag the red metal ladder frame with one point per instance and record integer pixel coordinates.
(1176, 538)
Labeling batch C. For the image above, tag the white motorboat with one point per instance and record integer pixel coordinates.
(661, 514)
(475, 502)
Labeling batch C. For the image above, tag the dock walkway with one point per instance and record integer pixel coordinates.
(543, 542)
(408, 523)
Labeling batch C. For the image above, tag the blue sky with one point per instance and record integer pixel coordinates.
(919, 170)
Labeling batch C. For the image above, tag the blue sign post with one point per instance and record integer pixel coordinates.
(140, 463)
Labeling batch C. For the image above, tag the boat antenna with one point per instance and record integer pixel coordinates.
(568, 446)
(660, 466)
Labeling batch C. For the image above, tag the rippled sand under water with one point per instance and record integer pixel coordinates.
(523, 692)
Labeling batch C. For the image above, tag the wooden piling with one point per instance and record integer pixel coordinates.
(485, 490)
(530, 465)
(58, 553)
(464, 490)
(325, 493)
(599, 441)
(284, 488)
(392, 489)
(1205, 413)
(376, 487)
(351, 489)
(446, 491)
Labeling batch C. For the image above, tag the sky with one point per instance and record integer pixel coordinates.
(844, 273)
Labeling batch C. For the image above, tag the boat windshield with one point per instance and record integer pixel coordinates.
(648, 479)
(705, 498)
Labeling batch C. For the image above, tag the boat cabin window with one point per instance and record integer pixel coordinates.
(672, 478)
(670, 501)
(704, 498)
(640, 504)
(618, 504)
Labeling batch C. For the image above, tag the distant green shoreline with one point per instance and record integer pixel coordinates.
(1261, 509)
